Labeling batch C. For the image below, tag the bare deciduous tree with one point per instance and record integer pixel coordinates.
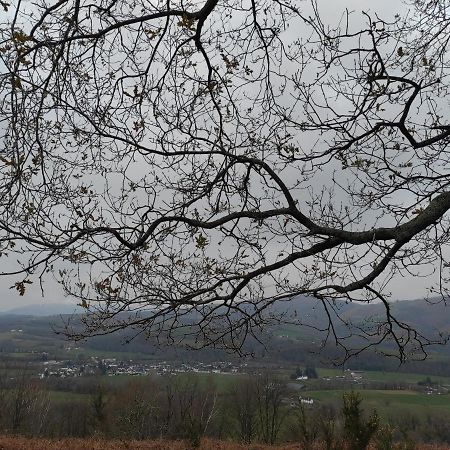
(187, 408)
(243, 398)
(199, 161)
(271, 414)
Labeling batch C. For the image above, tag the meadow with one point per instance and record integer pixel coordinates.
(392, 403)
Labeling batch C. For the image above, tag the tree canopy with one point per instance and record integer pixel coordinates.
(179, 167)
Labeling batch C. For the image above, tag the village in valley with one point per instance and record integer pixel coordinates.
(114, 367)
(299, 380)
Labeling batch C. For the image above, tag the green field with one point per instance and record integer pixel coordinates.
(389, 403)
(387, 377)
(64, 396)
(223, 382)
(88, 352)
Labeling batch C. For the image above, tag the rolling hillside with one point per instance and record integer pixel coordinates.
(289, 343)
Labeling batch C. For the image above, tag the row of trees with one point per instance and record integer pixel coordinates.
(257, 409)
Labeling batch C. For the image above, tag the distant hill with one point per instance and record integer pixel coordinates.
(31, 328)
(432, 316)
(43, 309)
(428, 317)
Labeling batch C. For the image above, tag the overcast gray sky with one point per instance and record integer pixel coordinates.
(331, 11)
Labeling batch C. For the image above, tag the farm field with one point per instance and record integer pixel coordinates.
(386, 376)
(390, 403)
(223, 380)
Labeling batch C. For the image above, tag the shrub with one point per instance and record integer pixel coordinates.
(357, 431)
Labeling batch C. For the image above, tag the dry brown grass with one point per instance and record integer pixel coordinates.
(21, 443)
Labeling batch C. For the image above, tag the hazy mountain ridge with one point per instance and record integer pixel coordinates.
(431, 316)
(426, 316)
(43, 310)
(286, 344)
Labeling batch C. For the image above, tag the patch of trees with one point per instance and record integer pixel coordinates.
(253, 409)
(307, 373)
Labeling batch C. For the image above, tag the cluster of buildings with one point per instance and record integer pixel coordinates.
(114, 367)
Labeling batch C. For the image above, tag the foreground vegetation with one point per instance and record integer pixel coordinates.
(262, 409)
(50, 389)
(20, 443)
